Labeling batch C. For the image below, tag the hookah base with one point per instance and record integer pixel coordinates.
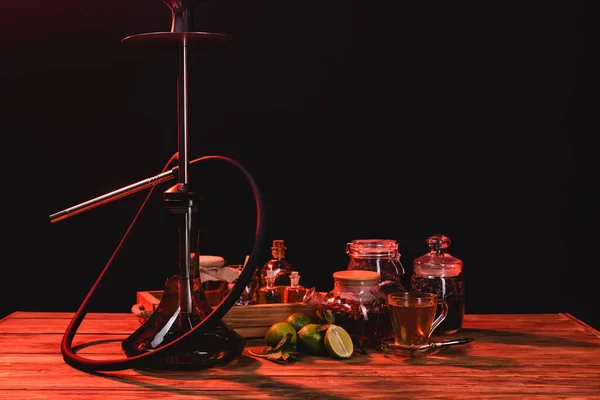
(215, 344)
(213, 347)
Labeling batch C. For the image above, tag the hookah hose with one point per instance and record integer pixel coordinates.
(89, 365)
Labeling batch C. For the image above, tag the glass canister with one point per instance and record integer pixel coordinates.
(440, 273)
(357, 304)
(381, 256)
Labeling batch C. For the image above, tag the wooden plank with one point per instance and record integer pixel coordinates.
(496, 320)
(478, 354)
(124, 325)
(30, 366)
(127, 323)
(88, 325)
(473, 362)
(247, 321)
(582, 324)
(329, 389)
(264, 379)
(64, 315)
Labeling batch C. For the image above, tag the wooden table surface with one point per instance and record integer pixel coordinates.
(519, 356)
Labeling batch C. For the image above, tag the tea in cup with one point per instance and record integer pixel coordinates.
(413, 317)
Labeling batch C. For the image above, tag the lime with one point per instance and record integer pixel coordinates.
(310, 339)
(277, 331)
(338, 342)
(298, 320)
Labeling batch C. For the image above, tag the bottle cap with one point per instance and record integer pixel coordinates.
(294, 277)
(278, 243)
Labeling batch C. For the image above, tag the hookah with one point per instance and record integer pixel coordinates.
(184, 332)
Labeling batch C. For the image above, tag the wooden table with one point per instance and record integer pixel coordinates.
(518, 356)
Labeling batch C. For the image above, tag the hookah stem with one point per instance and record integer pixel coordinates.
(185, 294)
(182, 112)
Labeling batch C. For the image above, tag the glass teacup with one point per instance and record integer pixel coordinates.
(413, 317)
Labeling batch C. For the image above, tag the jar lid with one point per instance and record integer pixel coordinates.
(373, 248)
(211, 261)
(357, 276)
(212, 268)
(438, 262)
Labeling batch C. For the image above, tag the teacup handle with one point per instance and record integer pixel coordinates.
(440, 318)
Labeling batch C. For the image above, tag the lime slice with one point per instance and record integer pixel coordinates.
(338, 342)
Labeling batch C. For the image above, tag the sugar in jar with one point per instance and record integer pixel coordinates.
(440, 273)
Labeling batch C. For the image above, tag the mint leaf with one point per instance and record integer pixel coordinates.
(275, 356)
(284, 351)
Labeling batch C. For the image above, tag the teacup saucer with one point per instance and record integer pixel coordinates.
(392, 350)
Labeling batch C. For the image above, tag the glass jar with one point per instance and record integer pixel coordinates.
(357, 304)
(440, 273)
(381, 256)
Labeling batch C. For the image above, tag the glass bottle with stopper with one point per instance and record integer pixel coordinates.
(270, 293)
(280, 266)
(295, 292)
(440, 273)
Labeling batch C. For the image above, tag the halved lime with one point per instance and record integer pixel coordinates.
(338, 342)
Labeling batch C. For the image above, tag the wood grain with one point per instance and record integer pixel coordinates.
(513, 356)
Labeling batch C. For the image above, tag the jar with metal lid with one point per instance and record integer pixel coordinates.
(381, 256)
(440, 273)
(357, 304)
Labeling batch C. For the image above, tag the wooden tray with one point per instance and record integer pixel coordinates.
(248, 321)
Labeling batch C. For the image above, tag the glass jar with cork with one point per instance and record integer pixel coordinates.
(357, 304)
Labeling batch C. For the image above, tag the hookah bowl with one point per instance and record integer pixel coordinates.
(182, 14)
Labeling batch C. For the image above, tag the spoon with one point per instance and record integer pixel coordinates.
(436, 345)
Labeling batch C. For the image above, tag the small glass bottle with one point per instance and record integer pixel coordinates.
(270, 293)
(295, 292)
(381, 256)
(440, 273)
(280, 266)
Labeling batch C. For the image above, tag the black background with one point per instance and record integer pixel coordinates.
(356, 119)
